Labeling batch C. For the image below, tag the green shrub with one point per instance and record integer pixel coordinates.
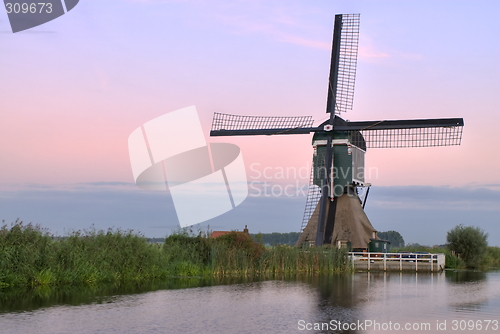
(30, 256)
(469, 242)
(491, 258)
(454, 262)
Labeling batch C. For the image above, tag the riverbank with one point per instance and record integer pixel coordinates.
(31, 256)
(258, 304)
(490, 260)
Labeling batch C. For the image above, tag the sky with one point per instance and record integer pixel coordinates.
(73, 90)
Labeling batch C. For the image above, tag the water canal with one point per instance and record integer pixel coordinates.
(461, 301)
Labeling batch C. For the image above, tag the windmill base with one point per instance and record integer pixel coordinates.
(351, 225)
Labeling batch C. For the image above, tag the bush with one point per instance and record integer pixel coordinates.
(491, 258)
(243, 242)
(394, 237)
(470, 243)
(452, 261)
(29, 255)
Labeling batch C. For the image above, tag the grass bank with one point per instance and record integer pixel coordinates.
(491, 258)
(30, 255)
(452, 261)
(237, 253)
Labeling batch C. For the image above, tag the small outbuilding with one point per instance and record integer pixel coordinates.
(216, 234)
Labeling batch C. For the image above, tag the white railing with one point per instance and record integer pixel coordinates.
(435, 261)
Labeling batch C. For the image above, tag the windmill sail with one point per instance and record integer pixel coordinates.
(342, 144)
(403, 133)
(313, 196)
(343, 63)
(413, 137)
(236, 125)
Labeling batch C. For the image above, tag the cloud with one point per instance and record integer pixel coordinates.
(283, 22)
(476, 185)
(369, 52)
(7, 189)
(421, 214)
(72, 208)
(108, 184)
(424, 214)
(297, 40)
(276, 28)
(429, 197)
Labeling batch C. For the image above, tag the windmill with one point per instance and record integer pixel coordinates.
(337, 176)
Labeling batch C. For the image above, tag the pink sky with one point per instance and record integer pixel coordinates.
(74, 89)
(71, 98)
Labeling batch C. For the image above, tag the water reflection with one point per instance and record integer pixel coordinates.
(337, 300)
(464, 276)
(29, 299)
(254, 304)
(468, 291)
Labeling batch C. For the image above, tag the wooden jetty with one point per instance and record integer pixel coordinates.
(365, 261)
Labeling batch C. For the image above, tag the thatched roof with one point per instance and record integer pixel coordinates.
(351, 223)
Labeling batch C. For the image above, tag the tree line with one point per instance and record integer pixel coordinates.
(467, 246)
(275, 238)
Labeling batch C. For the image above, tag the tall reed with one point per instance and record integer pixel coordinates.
(30, 255)
(237, 253)
(286, 259)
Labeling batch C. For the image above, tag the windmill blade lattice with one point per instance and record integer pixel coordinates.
(413, 137)
(236, 122)
(347, 63)
(313, 196)
(341, 144)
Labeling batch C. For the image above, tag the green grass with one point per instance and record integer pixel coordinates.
(238, 254)
(492, 258)
(452, 261)
(31, 256)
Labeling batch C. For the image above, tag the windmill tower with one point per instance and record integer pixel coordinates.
(334, 211)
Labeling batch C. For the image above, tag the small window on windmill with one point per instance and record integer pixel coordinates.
(342, 244)
(358, 164)
(308, 244)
